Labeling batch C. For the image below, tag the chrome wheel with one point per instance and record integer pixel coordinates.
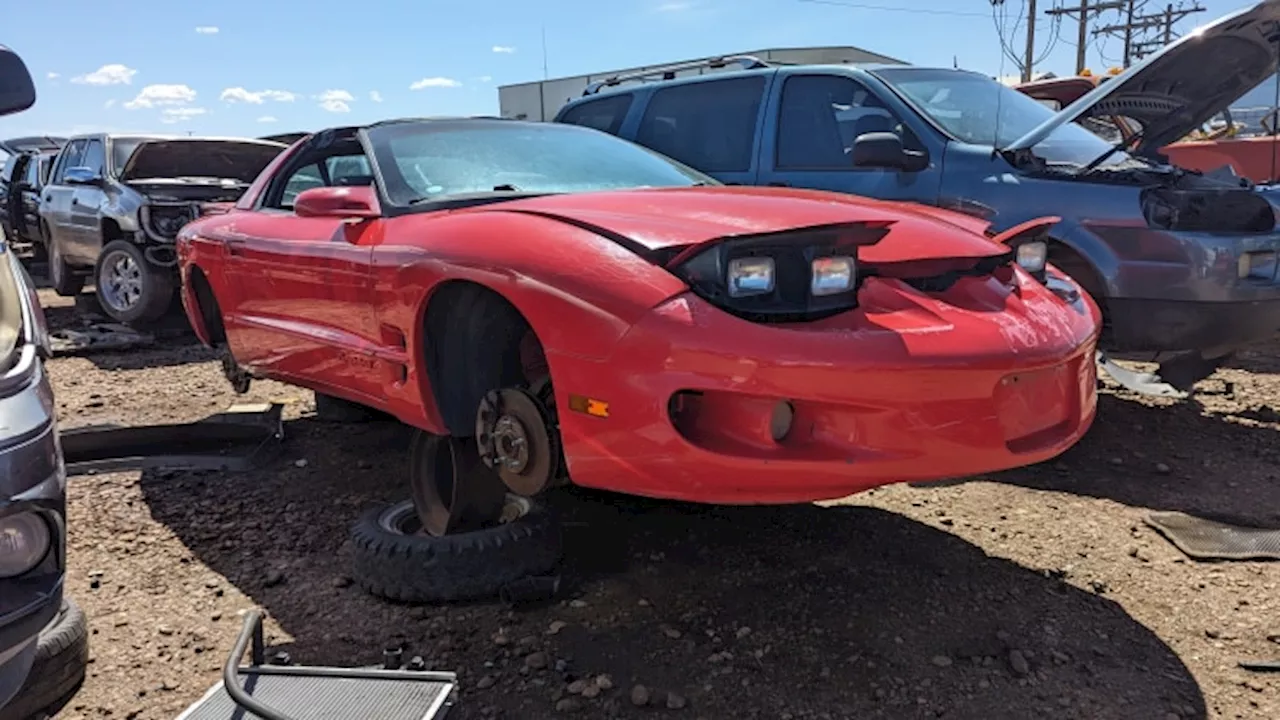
(120, 281)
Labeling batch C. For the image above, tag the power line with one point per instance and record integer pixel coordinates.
(1081, 15)
(1158, 23)
(884, 8)
(1026, 65)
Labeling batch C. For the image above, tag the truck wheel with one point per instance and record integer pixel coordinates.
(395, 559)
(130, 289)
(62, 653)
(64, 281)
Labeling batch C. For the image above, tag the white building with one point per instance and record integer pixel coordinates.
(540, 100)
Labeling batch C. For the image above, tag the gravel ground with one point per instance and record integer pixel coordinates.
(1033, 593)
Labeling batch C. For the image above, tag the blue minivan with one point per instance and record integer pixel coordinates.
(1183, 265)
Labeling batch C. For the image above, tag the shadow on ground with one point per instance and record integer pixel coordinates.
(1173, 457)
(744, 612)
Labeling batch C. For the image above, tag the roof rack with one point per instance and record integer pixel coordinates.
(668, 72)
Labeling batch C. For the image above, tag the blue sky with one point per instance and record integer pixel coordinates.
(251, 68)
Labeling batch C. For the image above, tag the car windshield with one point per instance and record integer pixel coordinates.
(965, 106)
(121, 149)
(437, 160)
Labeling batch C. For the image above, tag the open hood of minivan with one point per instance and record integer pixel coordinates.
(44, 143)
(1186, 84)
(239, 159)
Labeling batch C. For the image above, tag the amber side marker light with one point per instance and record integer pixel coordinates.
(589, 406)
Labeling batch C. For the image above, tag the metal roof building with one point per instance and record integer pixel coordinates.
(539, 100)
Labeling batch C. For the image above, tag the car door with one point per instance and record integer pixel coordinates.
(302, 307)
(55, 203)
(710, 125)
(29, 203)
(815, 119)
(85, 216)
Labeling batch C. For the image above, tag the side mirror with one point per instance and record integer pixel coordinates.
(341, 202)
(17, 89)
(885, 150)
(81, 176)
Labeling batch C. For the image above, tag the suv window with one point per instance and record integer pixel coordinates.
(32, 175)
(7, 174)
(605, 114)
(94, 157)
(820, 117)
(709, 125)
(69, 158)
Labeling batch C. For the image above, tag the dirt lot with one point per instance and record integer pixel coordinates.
(1036, 593)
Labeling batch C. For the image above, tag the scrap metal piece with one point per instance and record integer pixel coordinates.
(97, 338)
(1141, 383)
(1203, 539)
(1270, 666)
(238, 439)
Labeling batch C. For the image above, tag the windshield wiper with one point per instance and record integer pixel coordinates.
(1111, 151)
(506, 187)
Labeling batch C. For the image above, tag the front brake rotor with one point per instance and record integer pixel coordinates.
(516, 438)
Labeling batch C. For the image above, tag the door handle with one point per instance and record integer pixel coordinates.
(74, 201)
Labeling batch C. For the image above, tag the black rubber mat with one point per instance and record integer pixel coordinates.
(1204, 539)
(329, 698)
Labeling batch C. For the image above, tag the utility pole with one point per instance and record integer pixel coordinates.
(1031, 42)
(1160, 23)
(1081, 15)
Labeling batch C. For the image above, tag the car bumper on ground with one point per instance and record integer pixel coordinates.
(905, 388)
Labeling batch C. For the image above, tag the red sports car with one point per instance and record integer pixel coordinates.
(549, 303)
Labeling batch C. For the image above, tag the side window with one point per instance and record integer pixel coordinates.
(709, 125)
(68, 158)
(349, 170)
(32, 175)
(94, 157)
(304, 178)
(820, 117)
(605, 114)
(7, 174)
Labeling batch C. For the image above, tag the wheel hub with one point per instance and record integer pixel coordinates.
(121, 281)
(516, 438)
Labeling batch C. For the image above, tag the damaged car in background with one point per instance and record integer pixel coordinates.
(114, 204)
(1184, 266)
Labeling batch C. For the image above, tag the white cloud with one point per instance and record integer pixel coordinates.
(153, 95)
(507, 49)
(335, 101)
(267, 119)
(239, 94)
(113, 74)
(207, 29)
(673, 6)
(434, 82)
(180, 114)
(375, 96)
(53, 76)
(109, 104)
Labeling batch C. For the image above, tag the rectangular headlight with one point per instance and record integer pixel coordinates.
(1033, 256)
(832, 275)
(750, 276)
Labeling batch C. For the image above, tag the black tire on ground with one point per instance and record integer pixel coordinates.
(336, 410)
(419, 568)
(157, 284)
(62, 654)
(61, 278)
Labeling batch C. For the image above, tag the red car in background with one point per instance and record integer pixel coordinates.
(549, 303)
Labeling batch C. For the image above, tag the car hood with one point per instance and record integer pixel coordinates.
(229, 159)
(682, 217)
(1184, 85)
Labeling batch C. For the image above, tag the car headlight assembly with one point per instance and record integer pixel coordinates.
(24, 542)
(788, 276)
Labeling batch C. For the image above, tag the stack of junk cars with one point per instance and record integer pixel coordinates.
(824, 280)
